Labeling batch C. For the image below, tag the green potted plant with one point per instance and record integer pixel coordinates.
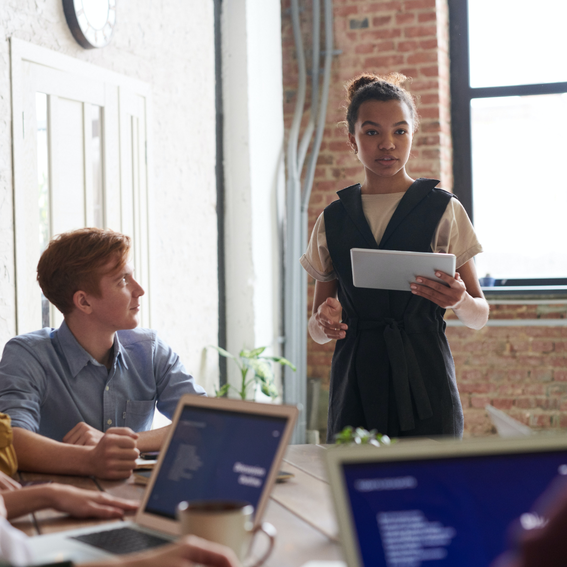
(360, 436)
(260, 367)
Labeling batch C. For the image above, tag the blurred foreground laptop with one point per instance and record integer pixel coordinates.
(439, 505)
(216, 449)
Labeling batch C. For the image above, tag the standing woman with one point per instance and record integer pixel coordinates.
(392, 368)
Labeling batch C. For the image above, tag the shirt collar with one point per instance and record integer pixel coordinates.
(77, 357)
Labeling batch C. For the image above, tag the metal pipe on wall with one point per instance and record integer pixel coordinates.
(297, 200)
(316, 54)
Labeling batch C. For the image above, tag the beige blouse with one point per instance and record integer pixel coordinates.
(454, 235)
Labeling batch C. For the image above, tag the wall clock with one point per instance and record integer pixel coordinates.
(91, 21)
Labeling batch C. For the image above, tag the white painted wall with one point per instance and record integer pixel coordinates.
(254, 133)
(170, 45)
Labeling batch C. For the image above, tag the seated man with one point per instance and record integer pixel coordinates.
(82, 397)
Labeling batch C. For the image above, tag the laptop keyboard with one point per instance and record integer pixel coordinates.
(121, 540)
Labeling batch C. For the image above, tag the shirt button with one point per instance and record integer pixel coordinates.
(109, 422)
(107, 388)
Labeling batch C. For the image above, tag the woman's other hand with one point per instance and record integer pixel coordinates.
(325, 322)
(328, 317)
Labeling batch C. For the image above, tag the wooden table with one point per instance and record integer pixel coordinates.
(300, 509)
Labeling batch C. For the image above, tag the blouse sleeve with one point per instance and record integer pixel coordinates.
(455, 234)
(317, 261)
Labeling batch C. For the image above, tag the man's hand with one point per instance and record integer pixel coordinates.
(83, 434)
(114, 457)
(87, 503)
(328, 318)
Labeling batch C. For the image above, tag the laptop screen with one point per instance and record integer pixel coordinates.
(445, 512)
(216, 454)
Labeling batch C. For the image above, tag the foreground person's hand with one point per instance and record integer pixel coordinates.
(187, 552)
(74, 501)
(88, 503)
(8, 483)
(114, 456)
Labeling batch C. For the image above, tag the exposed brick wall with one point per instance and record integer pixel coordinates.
(521, 370)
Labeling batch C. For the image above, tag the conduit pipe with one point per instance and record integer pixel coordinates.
(316, 54)
(297, 201)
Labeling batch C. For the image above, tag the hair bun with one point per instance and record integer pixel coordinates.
(398, 79)
(358, 82)
(352, 86)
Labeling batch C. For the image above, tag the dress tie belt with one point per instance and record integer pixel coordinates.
(407, 379)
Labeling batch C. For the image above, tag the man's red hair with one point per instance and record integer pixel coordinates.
(76, 261)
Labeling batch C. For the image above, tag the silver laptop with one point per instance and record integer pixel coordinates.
(216, 449)
(390, 269)
(444, 504)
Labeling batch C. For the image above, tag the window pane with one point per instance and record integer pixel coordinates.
(43, 186)
(517, 42)
(519, 149)
(98, 208)
(42, 169)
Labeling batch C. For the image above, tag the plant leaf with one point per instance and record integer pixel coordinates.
(221, 351)
(360, 436)
(280, 360)
(252, 353)
(222, 391)
(261, 368)
(269, 389)
(345, 436)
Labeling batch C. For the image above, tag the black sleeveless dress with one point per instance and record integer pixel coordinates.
(393, 371)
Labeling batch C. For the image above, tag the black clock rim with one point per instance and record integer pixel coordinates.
(73, 23)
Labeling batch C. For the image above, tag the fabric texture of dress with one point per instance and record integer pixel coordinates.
(393, 371)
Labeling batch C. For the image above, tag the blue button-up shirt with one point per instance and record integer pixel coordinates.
(49, 382)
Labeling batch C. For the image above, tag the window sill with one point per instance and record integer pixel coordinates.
(528, 292)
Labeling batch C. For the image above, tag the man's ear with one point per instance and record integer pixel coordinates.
(81, 302)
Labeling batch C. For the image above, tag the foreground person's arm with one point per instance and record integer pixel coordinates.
(75, 501)
(188, 551)
(113, 457)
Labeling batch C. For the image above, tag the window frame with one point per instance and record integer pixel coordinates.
(461, 96)
(127, 189)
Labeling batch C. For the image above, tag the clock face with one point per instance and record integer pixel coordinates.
(91, 21)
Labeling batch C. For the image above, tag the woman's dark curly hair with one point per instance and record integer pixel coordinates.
(373, 87)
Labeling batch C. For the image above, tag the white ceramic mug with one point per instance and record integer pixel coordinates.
(227, 522)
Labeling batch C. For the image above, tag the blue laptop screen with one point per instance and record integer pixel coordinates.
(445, 512)
(216, 454)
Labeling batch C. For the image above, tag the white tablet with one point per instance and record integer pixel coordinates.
(391, 269)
